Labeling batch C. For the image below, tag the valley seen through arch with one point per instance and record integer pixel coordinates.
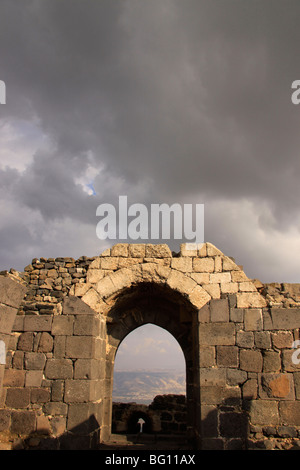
(149, 362)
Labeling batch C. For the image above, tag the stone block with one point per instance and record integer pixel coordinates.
(189, 249)
(56, 408)
(219, 310)
(245, 339)
(14, 378)
(43, 342)
(204, 314)
(200, 278)
(213, 290)
(180, 282)
(25, 342)
(207, 356)
(43, 425)
(37, 322)
(59, 347)
(75, 306)
(11, 292)
(62, 325)
(34, 361)
(120, 249)
(296, 377)
(40, 395)
(272, 361)
(237, 315)
(227, 356)
(288, 360)
(276, 386)
(80, 347)
(212, 377)
(253, 319)
(204, 265)
(87, 326)
(78, 391)
(250, 300)
(4, 420)
(285, 318)
(17, 397)
(33, 378)
(221, 278)
(289, 412)
(57, 390)
(81, 418)
(59, 369)
(183, 264)
(213, 334)
(249, 389)
(158, 251)
(251, 361)
(235, 377)
(264, 412)
(137, 250)
(23, 422)
(7, 318)
(89, 369)
(282, 339)
(229, 287)
(198, 297)
(262, 339)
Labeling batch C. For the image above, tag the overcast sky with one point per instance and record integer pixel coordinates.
(163, 101)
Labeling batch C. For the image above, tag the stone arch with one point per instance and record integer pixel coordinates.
(191, 289)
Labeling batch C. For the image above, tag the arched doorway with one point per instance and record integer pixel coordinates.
(162, 306)
(149, 361)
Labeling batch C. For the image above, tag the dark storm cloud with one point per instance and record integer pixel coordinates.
(167, 100)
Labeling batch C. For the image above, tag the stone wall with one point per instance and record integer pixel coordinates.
(63, 324)
(249, 386)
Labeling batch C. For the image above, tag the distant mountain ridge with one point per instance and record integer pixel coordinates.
(142, 386)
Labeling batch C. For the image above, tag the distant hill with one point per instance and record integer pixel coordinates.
(143, 386)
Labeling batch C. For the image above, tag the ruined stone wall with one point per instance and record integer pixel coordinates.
(167, 415)
(243, 388)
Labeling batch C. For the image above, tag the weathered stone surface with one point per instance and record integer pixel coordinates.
(11, 292)
(219, 310)
(37, 323)
(250, 300)
(23, 422)
(282, 339)
(204, 265)
(25, 342)
(227, 356)
(14, 378)
(74, 306)
(276, 386)
(251, 361)
(272, 361)
(285, 318)
(253, 319)
(290, 412)
(211, 334)
(212, 377)
(59, 369)
(264, 412)
(62, 325)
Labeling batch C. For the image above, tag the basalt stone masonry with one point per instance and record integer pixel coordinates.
(62, 320)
